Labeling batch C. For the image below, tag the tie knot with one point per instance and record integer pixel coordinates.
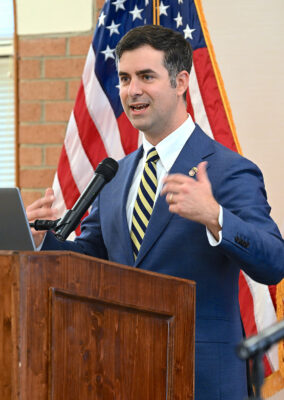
(152, 155)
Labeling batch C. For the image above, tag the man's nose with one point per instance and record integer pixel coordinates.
(134, 88)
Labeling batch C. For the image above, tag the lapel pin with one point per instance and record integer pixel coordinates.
(193, 171)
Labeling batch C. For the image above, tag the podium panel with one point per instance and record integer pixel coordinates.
(84, 328)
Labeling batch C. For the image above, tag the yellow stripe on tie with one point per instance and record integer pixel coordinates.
(151, 175)
(141, 215)
(139, 228)
(149, 190)
(135, 241)
(144, 202)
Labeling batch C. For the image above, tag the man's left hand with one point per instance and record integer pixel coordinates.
(193, 199)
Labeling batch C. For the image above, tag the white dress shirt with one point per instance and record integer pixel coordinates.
(168, 150)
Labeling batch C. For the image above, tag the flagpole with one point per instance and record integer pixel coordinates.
(156, 12)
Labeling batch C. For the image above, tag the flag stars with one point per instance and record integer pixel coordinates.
(178, 20)
(163, 9)
(136, 13)
(188, 32)
(119, 4)
(113, 28)
(180, 1)
(108, 53)
(102, 19)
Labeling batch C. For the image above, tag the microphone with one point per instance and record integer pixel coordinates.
(105, 171)
(260, 343)
(62, 227)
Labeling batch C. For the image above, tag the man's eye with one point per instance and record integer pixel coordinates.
(147, 77)
(123, 79)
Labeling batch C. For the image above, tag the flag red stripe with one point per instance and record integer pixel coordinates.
(272, 291)
(248, 315)
(89, 135)
(246, 306)
(267, 368)
(212, 99)
(68, 186)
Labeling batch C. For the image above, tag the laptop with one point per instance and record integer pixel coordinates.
(15, 233)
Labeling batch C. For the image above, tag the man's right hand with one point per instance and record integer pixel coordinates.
(42, 209)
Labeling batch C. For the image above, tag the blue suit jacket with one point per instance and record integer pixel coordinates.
(176, 246)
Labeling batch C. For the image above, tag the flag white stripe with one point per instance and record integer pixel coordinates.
(264, 313)
(100, 110)
(59, 202)
(81, 168)
(197, 104)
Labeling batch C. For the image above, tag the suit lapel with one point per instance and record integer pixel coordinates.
(127, 169)
(197, 148)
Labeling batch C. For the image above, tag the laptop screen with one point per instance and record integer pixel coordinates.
(15, 232)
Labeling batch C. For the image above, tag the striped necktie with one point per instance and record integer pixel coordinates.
(145, 201)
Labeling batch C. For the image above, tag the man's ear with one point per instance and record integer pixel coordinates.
(182, 80)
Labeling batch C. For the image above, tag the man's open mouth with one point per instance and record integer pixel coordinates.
(138, 107)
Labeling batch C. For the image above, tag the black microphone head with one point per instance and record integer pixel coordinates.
(108, 168)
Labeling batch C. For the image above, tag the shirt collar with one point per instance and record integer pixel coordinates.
(170, 147)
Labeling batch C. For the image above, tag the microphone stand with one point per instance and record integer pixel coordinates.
(254, 347)
(61, 227)
(257, 375)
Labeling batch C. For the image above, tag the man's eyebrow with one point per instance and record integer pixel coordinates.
(145, 71)
(141, 72)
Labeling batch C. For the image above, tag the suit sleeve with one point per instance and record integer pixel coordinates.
(90, 241)
(250, 236)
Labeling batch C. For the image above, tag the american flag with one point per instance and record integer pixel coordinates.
(98, 127)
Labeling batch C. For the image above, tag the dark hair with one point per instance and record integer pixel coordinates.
(177, 51)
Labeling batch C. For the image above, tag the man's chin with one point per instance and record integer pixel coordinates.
(139, 124)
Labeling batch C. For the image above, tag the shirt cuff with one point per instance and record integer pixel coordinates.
(212, 241)
(38, 248)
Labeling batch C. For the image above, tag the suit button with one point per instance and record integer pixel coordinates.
(242, 242)
(237, 239)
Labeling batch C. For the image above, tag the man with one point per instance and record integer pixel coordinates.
(210, 217)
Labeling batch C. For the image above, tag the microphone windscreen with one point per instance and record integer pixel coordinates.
(108, 168)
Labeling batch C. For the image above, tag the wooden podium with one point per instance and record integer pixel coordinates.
(78, 328)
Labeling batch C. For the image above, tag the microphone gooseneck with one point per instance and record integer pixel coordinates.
(44, 224)
(260, 343)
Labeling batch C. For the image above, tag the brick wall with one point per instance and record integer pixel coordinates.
(50, 70)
